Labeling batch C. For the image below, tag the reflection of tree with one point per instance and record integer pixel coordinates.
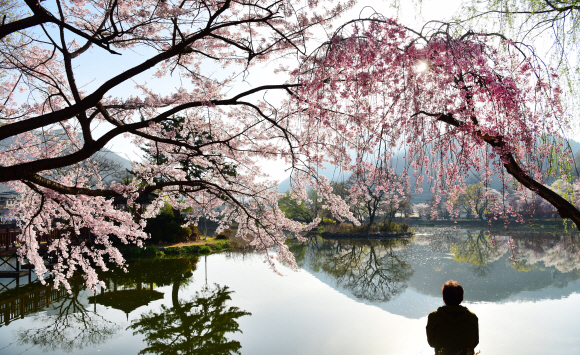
(477, 251)
(159, 272)
(195, 327)
(71, 328)
(561, 252)
(371, 269)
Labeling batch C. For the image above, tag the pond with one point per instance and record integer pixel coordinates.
(350, 297)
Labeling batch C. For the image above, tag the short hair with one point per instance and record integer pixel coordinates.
(452, 293)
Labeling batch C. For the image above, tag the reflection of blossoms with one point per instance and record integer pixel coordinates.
(68, 327)
(511, 247)
(524, 253)
(564, 257)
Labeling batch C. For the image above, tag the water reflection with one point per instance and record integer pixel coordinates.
(125, 291)
(536, 267)
(197, 326)
(527, 252)
(64, 322)
(371, 269)
(164, 306)
(68, 325)
(476, 249)
(499, 267)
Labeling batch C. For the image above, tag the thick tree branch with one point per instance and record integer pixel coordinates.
(565, 209)
(25, 170)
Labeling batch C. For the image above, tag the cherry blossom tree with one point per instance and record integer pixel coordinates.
(207, 141)
(375, 88)
(374, 185)
(422, 209)
(451, 103)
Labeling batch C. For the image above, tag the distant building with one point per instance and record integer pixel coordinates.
(7, 201)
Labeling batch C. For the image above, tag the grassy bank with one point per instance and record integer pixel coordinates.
(376, 230)
(203, 246)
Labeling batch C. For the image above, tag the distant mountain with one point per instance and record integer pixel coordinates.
(330, 172)
(121, 163)
(334, 174)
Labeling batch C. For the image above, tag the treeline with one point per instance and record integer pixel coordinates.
(478, 201)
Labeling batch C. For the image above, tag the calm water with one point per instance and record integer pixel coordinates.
(350, 297)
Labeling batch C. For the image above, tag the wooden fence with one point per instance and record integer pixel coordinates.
(8, 236)
(30, 302)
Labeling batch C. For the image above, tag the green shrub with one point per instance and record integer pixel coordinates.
(328, 221)
(190, 248)
(193, 233)
(391, 227)
(204, 249)
(226, 234)
(173, 251)
(166, 227)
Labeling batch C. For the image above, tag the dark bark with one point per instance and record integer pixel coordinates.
(565, 209)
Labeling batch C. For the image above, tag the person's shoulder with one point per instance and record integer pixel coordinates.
(435, 313)
(468, 310)
(433, 319)
(471, 314)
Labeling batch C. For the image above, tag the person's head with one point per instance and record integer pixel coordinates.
(452, 293)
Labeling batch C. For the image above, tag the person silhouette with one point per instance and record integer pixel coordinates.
(452, 329)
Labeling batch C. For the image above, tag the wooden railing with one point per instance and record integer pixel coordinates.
(8, 237)
(30, 302)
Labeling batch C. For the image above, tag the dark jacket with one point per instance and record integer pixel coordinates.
(452, 330)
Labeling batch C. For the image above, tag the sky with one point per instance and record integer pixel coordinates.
(93, 70)
(103, 65)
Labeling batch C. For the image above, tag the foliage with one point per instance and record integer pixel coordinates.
(328, 221)
(167, 227)
(193, 170)
(475, 200)
(391, 227)
(294, 210)
(197, 326)
(226, 234)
